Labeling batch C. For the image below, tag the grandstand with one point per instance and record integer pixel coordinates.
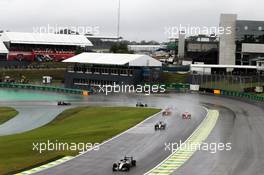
(42, 46)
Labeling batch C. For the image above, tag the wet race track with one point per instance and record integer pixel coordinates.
(240, 123)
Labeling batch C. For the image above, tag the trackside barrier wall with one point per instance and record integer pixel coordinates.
(186, 87)
(174, 86)
(177, 86)
(42, 88)
(242, 95)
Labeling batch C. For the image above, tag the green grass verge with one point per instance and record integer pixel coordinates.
(34, 75)
(79, 125)
(225, 85)
(6, 114)
(169, 77)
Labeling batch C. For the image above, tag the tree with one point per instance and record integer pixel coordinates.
(120, 48)
(143, 42)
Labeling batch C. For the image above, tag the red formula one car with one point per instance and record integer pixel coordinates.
(166, 112)
(186, 115)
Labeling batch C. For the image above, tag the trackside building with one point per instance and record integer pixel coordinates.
(244, 43)
(93, 69)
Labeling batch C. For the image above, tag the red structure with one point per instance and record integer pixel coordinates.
(40, 55)
(42, 47)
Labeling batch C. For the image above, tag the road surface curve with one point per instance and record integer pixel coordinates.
(240, 123)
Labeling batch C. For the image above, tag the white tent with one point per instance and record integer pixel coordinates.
(3, 49)
(45, 38)
(115, 59)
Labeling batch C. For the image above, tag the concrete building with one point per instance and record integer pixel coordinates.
(249, 40)
(227, 45)
(198, 48)
(245, 42)
(94, 69)
(202, 48)
(181, 45)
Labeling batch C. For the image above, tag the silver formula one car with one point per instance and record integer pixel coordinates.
(124, 164)
(139, 104)
(160, 126)
(62, 103)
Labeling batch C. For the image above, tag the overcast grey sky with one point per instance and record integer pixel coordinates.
(140, 19)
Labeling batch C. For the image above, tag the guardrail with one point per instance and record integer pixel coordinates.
(42, 88)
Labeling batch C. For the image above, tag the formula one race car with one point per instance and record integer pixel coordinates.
(166, 112)
(186, 115)
(124, 164)
(139, 104)
(160, 126)
(62, 103)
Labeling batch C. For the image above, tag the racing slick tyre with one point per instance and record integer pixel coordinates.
(126, 168)
(115, 167)
(134, 162)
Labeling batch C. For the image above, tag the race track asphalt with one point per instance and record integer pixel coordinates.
(31, 115)
(145, 144)
(240, 123)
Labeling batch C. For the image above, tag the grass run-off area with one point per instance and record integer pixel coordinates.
(6, 114)
(169, 77)
(78, 125)
(34, 75)
(225, 85)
